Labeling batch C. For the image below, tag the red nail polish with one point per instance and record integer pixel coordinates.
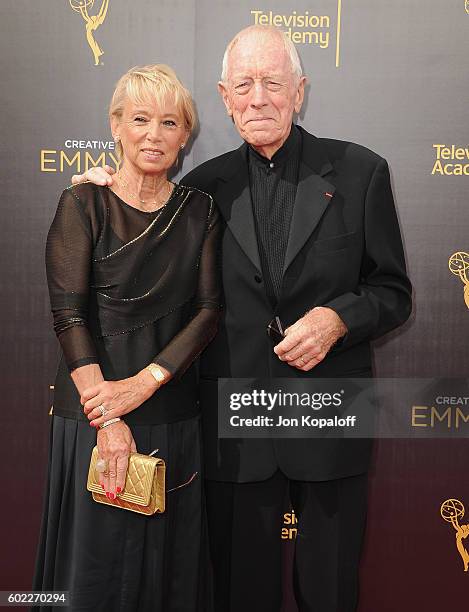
(111, 496)
(119, 490)
(108, 495)
(102, 486)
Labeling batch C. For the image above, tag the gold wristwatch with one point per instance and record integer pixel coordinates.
(156, 372)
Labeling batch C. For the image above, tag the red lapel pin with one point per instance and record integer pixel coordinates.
(329, 195)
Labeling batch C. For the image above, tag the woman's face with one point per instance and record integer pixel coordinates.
(151, 135)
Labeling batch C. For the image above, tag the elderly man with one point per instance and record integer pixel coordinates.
(311, 237)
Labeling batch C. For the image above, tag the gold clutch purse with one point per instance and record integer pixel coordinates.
(144, 490)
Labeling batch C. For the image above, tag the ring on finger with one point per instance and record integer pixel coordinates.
(102, 409)
(302, 361)
(101, 466)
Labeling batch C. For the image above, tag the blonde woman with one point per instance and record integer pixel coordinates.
(133, 280)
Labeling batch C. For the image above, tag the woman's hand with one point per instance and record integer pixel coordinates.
(115, 443)
(118, 397)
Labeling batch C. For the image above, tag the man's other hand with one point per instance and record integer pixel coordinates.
(308, 341)
(96, 175)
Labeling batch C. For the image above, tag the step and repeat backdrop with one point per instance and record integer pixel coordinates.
(392, 76)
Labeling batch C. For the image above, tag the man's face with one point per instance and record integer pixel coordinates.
(262, 93)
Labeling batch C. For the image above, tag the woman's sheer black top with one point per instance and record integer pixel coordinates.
(128, 288)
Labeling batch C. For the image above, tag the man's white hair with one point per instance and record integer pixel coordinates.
(264, 30)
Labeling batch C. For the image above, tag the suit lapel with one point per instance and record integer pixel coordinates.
(233, 198)
(312, 196)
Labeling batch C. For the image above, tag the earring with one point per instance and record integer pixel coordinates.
(182, 146)
(116, 138)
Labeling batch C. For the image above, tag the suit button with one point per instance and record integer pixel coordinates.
(258, 278)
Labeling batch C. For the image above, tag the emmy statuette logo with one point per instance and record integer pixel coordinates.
(459, 266)
(451, 511)
(92, 22)
(466, 6)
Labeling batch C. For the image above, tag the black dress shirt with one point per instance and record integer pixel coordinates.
(273, 185)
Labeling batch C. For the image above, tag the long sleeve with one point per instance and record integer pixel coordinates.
(382, 300)
(185, 347)
(68, 260)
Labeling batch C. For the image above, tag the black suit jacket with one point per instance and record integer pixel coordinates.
(345, 252)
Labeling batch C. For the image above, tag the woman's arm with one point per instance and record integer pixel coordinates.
(187, 345)
(68, 259)
(87, 376)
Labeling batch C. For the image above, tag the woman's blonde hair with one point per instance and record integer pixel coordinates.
(154, 82)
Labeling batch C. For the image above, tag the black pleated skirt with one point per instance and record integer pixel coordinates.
(115, 560)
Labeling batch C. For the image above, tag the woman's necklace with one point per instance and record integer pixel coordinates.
(158, 200)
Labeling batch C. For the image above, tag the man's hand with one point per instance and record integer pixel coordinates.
(308, 341)
(96, 175)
